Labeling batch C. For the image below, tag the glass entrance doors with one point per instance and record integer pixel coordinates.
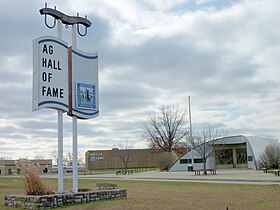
(234, 157)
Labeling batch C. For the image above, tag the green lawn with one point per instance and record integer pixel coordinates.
(167, 195)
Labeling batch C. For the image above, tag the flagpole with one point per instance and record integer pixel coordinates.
(190, 116)
(191, 134)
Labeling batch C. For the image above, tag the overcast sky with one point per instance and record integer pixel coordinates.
(225, 54)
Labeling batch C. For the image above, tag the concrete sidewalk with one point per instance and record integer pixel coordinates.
(243, 176)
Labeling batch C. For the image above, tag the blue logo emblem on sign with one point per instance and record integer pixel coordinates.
(85, 96)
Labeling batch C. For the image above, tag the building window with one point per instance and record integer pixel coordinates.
(197, 160)
(250, 158)
(9, 171)
(224, 157)
(18, 171)
(241, 156)
(0, 171)
(185, 161)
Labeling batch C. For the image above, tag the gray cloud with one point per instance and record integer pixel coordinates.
(225, 55)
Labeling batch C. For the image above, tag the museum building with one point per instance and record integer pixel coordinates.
(227, 152)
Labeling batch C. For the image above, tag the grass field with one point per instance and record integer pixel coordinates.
(167, 195)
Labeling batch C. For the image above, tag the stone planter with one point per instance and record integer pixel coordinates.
(58, 200)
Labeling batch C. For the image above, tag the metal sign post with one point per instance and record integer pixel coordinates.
(75, 127)
(75, 92)
(60, 130)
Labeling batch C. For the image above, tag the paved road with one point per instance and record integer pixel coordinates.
(229, 176)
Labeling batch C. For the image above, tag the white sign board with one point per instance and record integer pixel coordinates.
(50, 73)
(85, 97)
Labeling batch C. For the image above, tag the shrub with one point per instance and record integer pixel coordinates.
(33, 183)
(166, 159)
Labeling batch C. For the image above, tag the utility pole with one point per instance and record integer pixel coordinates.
(190, 116)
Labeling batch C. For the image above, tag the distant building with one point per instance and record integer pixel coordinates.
(113, 159)
(229, 152)
(8, 167)
(68, 168)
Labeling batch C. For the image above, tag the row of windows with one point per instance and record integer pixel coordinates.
(10, 171)
(189, 161)
(221, 159)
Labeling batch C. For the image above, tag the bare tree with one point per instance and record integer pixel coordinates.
(271, 156)
(68, 159)
(81, 158)
(124, 153)
(39, 157)
(54, 155)
(166, 129)
(204, 141)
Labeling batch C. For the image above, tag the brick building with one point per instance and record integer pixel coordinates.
(115, 158)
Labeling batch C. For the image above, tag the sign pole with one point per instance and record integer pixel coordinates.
(60, 151)
(75, 127)
(75, 153)
(60, 129)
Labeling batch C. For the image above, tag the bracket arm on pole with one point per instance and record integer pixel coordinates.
(66, 19)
